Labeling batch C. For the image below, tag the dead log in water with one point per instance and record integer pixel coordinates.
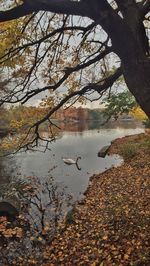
(102, 153)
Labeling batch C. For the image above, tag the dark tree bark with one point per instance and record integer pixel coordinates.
(137, 77)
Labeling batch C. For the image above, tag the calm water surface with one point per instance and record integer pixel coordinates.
(72, 144)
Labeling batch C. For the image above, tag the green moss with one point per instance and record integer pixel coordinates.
(128, 151)
(70, 217)
(147, 123)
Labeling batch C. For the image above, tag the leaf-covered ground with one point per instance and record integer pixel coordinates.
(112, 225)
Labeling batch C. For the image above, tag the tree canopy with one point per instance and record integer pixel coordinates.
(68, 50)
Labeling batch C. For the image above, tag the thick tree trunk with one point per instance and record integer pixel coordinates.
(130, 43)
(137, 77)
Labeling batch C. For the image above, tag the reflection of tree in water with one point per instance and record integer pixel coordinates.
(5, 171)
(43, 206)
(10, 182)
(46, 204)
(42, 201)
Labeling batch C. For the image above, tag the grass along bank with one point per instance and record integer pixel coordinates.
(112, 225)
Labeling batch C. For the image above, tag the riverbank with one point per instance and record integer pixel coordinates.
(112, 225)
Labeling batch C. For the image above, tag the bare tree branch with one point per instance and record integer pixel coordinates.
(68, 72)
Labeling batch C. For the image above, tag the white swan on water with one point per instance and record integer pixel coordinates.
(71, 161)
